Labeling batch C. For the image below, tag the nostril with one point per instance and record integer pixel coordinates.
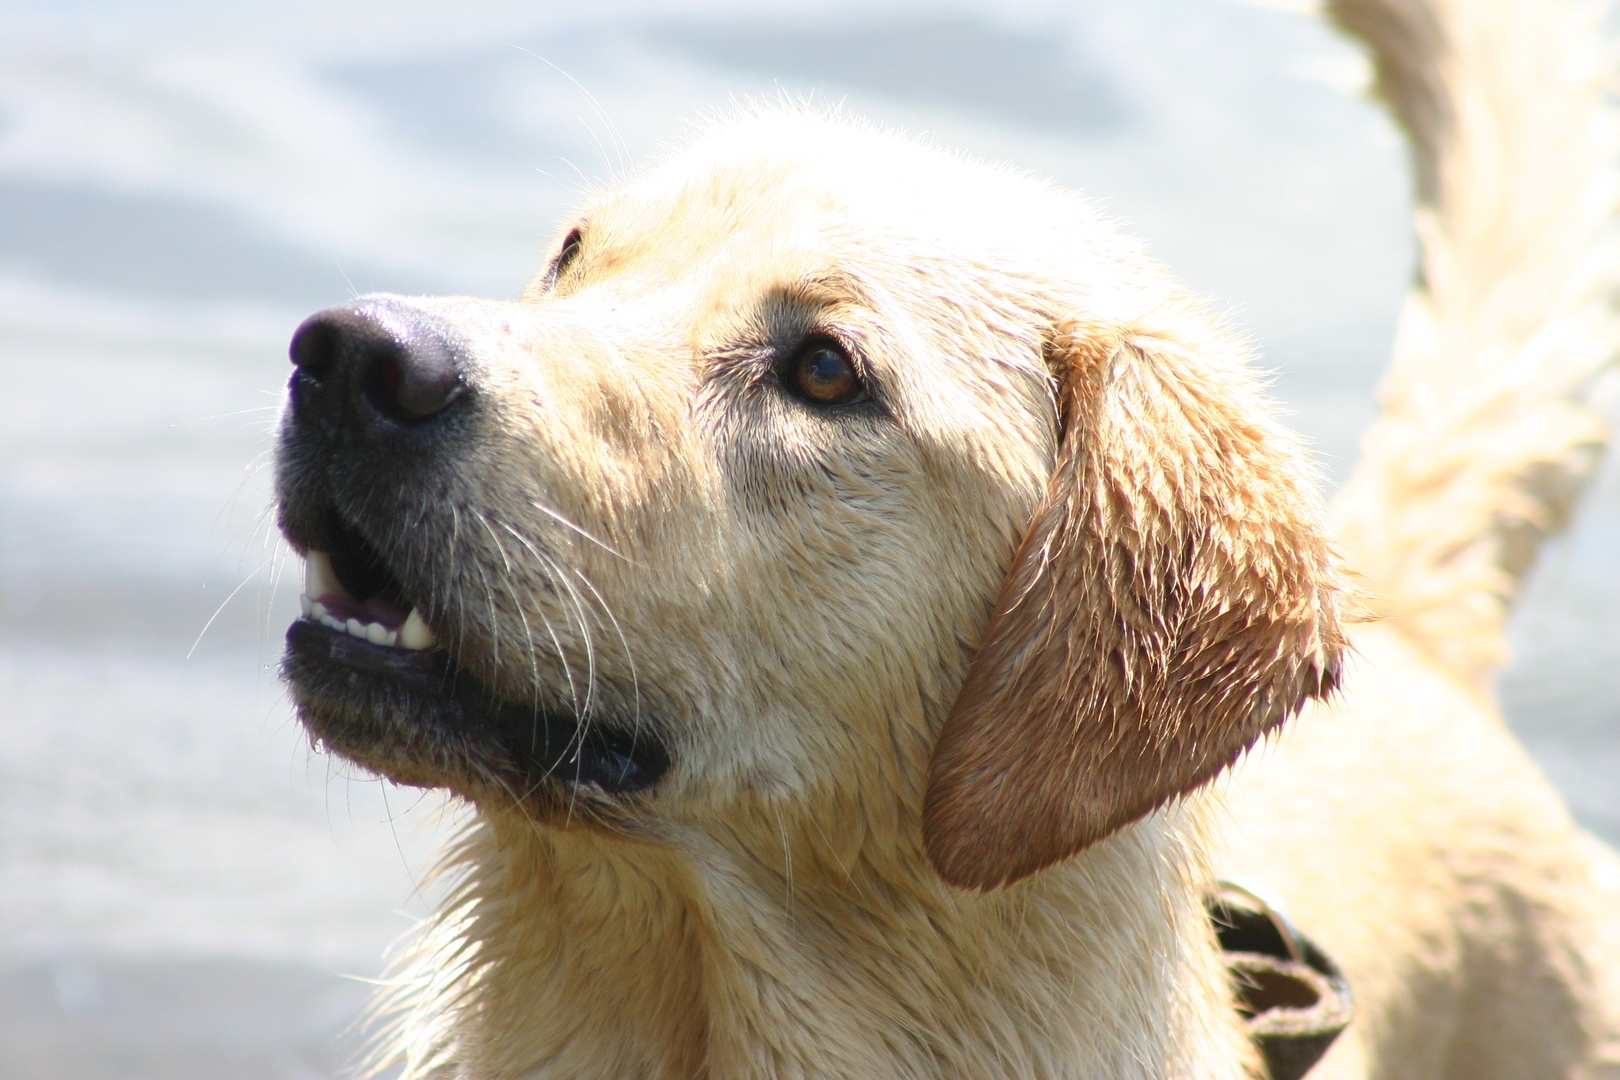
(415, 380)
(314, 348)
(380, 384)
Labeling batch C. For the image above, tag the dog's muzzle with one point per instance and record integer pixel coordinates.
(382, 416)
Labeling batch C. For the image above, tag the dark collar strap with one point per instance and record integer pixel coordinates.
(1293, 998)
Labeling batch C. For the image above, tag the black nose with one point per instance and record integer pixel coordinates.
(373, 366)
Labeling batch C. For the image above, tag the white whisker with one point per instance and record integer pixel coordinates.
(563, 520)
(562, 656)
(557, 572)
(251, 574)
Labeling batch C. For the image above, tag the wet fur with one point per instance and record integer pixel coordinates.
(999, 630)
(792, 600)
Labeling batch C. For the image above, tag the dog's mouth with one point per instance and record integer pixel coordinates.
(352, 591)
(374, 684)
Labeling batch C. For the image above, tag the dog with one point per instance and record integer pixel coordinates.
(844, 583)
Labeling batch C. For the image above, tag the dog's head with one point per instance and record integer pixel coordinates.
(812, 456)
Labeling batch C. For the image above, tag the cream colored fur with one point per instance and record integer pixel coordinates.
(1487, 436)
(1404, 825)
(801, 603)
(770, 911)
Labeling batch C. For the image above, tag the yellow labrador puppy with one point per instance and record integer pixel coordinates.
(839, 581)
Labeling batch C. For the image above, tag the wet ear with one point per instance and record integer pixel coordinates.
(1173, 600)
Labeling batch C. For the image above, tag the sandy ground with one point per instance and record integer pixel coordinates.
(185, 890)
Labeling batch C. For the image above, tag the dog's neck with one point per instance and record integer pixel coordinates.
(581, 955)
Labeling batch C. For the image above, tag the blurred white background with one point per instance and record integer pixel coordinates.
(183, 885)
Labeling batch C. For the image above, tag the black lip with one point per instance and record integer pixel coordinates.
(543, 744)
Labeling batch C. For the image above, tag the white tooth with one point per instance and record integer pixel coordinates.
(317, 611)
(357, 628)
(306, 605)
(377, 634)
(319, 577)
(415, 633)
(335, 623)
(392, 638)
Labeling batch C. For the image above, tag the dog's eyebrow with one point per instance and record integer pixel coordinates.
(822, 290)
(793, 306)
(780, 316)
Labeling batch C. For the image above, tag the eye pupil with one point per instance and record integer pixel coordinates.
(826, 376)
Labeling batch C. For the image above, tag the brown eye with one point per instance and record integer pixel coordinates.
(823, 375)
